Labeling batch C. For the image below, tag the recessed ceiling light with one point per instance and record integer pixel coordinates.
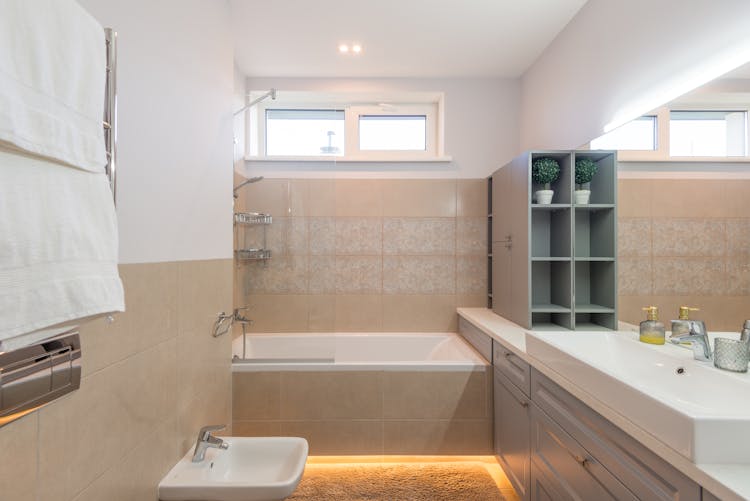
(356, 48)
(343, 48)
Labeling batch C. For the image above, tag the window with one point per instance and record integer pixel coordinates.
(639, 134)
(304, 132)
(298, 126)
(393, 132)
(707, 133)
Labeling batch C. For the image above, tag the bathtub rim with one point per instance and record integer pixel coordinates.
(476, 363)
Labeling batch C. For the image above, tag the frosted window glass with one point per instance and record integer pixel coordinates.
(639, 134)
(304, 132)
(393, 132)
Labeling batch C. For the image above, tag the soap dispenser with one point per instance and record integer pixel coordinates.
(652, 331)
(681, 326)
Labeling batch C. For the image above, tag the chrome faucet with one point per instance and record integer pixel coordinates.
(697, 338)
(206, 440)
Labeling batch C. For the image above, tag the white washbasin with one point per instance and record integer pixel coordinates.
(700, 411)
(251, 469)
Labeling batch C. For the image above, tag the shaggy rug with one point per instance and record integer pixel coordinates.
(397, 482)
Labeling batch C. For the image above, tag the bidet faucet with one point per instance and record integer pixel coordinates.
(206, 440)
(697, 338)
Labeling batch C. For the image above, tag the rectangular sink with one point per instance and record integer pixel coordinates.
(700, 411)
(251, 469)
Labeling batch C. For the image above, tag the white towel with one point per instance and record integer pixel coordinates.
(58, 247)
(52, 75)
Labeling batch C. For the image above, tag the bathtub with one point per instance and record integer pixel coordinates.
(365, 393)
(392, 351)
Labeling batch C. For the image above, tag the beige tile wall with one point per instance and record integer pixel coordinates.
(685, 242)
(364, 255)
(150, 380)
(369, 412)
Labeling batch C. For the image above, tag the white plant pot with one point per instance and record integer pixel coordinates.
(582, 197)
(544, 197)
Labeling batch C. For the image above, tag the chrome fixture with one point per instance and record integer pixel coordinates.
(271, 93)
(243, 183)
(241, 319)
(222, 324)
(35, 375)
(206, 440)
(697, 337)
(110, 110)
(745, 334)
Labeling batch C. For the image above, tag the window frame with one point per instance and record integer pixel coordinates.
(428, 104)
(662, 154)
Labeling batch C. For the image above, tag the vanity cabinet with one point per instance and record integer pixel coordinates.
(512, 432)
(581, 450)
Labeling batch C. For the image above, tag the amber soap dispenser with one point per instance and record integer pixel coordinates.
(652, 331)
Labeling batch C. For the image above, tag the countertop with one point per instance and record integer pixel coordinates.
(728, 482)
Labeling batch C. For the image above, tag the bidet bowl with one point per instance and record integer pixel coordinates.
(251, 469)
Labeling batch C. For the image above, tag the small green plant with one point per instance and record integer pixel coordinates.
(585, 171)
(545, 171)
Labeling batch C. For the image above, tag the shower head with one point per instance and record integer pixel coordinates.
(243, 183)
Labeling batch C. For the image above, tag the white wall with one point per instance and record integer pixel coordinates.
(481, 127)
(175, 81)
(619, 59)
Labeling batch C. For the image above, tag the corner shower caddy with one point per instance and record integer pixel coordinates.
(245, 253)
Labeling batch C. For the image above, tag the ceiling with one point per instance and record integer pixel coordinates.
(400, 38)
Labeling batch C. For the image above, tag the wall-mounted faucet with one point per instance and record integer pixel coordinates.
(697, 337)
(206, 440)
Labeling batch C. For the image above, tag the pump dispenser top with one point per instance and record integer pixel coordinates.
(681, 326)
(652, 331)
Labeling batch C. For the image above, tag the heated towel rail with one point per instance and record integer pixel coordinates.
(110, 110)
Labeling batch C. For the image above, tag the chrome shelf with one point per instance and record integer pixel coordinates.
(252, 218)
(253, 254)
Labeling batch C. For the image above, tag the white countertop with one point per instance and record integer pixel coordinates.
(728, 482)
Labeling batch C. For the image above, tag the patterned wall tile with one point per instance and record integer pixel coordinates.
(738, 237)
(738, 277)
(359, 274)
(471, 275)
(322, 235)
(634, 276)
(678, 276)
(471, 236)
(435, 236)
(359, 235)
(278, 275)
(633, 237)
(322, 275)
(689, 237)
(419, 274)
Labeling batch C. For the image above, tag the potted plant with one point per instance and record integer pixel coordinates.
(545, 171)
(585, 171)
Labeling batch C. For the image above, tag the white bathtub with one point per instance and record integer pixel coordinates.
(356, 351)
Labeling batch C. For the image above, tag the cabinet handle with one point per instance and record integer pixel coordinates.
(523, 403)
(581, 460)
(508, 354)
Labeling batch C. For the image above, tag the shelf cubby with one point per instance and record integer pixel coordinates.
(563, 185)
(604, 184)
(550, 233)
(595, 232)
(594, 287)
(551, 321)
(595, 321)
(550, 287)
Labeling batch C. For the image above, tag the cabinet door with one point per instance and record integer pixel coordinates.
(512, 433)
(543, 488)
(579, 475)
(501, 205)
(501, 285)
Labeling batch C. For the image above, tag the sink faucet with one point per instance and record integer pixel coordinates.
(206, 440)
(697, 337)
